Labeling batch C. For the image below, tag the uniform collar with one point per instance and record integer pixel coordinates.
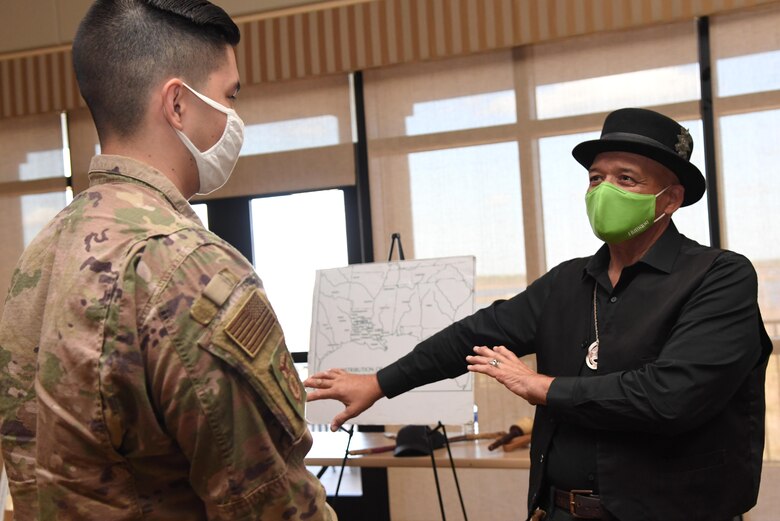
(108, 168)
(660, 256)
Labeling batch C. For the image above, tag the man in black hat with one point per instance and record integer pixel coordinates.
(651, 354)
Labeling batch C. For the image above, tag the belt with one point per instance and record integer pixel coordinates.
(580, 504)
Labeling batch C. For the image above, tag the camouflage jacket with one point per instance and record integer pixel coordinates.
(143, 373)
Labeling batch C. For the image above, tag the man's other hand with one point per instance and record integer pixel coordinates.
(503, 365)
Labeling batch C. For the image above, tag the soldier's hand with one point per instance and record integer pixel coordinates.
(356, 391)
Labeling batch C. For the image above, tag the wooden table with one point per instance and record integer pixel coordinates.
(328, 450)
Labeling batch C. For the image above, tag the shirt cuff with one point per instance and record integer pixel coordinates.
(392, 381)
(561, 393)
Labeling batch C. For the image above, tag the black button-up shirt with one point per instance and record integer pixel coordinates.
(679, 334)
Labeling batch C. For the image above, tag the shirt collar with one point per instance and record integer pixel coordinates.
(663, 253)
(660, 256)
(108, 168)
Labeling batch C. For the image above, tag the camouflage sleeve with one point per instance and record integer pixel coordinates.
(224, 384)
(18, 357)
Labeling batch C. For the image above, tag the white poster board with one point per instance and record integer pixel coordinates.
(366, 316)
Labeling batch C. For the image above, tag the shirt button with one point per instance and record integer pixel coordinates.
(591, 477)
(613, 299)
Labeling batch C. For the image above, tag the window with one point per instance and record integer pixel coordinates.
(33, 183)
(292, 237)
(202, 211)
(746, 52)
(752, 180)
(38, 209)
(462, 112)
(441, 175)
(564, 183)
(435, 97)
(628, 89)
(460, 207)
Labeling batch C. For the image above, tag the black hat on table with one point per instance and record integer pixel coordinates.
(416, 440)
(651, 135)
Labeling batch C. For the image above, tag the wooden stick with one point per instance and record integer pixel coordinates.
(463, 437)
(517, 443)
(372, 450)
(480, 436)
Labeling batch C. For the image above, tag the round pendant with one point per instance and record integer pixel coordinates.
(592, 356)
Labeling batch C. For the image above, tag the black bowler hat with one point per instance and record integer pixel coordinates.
(416, 440)
(652, 135)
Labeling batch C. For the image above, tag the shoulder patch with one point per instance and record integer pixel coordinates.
(251, 341)
(284, 370)
(214, 295)
(220, 287)
(252, 324)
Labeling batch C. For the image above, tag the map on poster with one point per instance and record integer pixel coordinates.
(366, 316)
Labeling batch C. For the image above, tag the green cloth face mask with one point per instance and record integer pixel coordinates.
(617, 215)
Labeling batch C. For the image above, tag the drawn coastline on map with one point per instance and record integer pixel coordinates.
(366, 316)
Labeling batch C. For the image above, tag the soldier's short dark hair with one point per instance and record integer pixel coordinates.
(125, 47)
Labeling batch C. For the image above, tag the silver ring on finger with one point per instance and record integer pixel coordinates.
(495, 363)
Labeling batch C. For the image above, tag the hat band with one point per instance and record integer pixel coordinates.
(638, 138)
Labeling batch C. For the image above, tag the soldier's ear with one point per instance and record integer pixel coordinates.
(173, 103)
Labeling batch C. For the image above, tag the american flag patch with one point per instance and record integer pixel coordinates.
(251, 325)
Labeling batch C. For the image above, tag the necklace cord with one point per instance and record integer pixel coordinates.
(595, 313)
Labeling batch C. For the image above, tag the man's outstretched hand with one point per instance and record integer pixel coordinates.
(356, 391)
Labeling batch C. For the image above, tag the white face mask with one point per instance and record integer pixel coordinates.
(216, 164)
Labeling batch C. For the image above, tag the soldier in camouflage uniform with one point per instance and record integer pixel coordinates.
(143, 372)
